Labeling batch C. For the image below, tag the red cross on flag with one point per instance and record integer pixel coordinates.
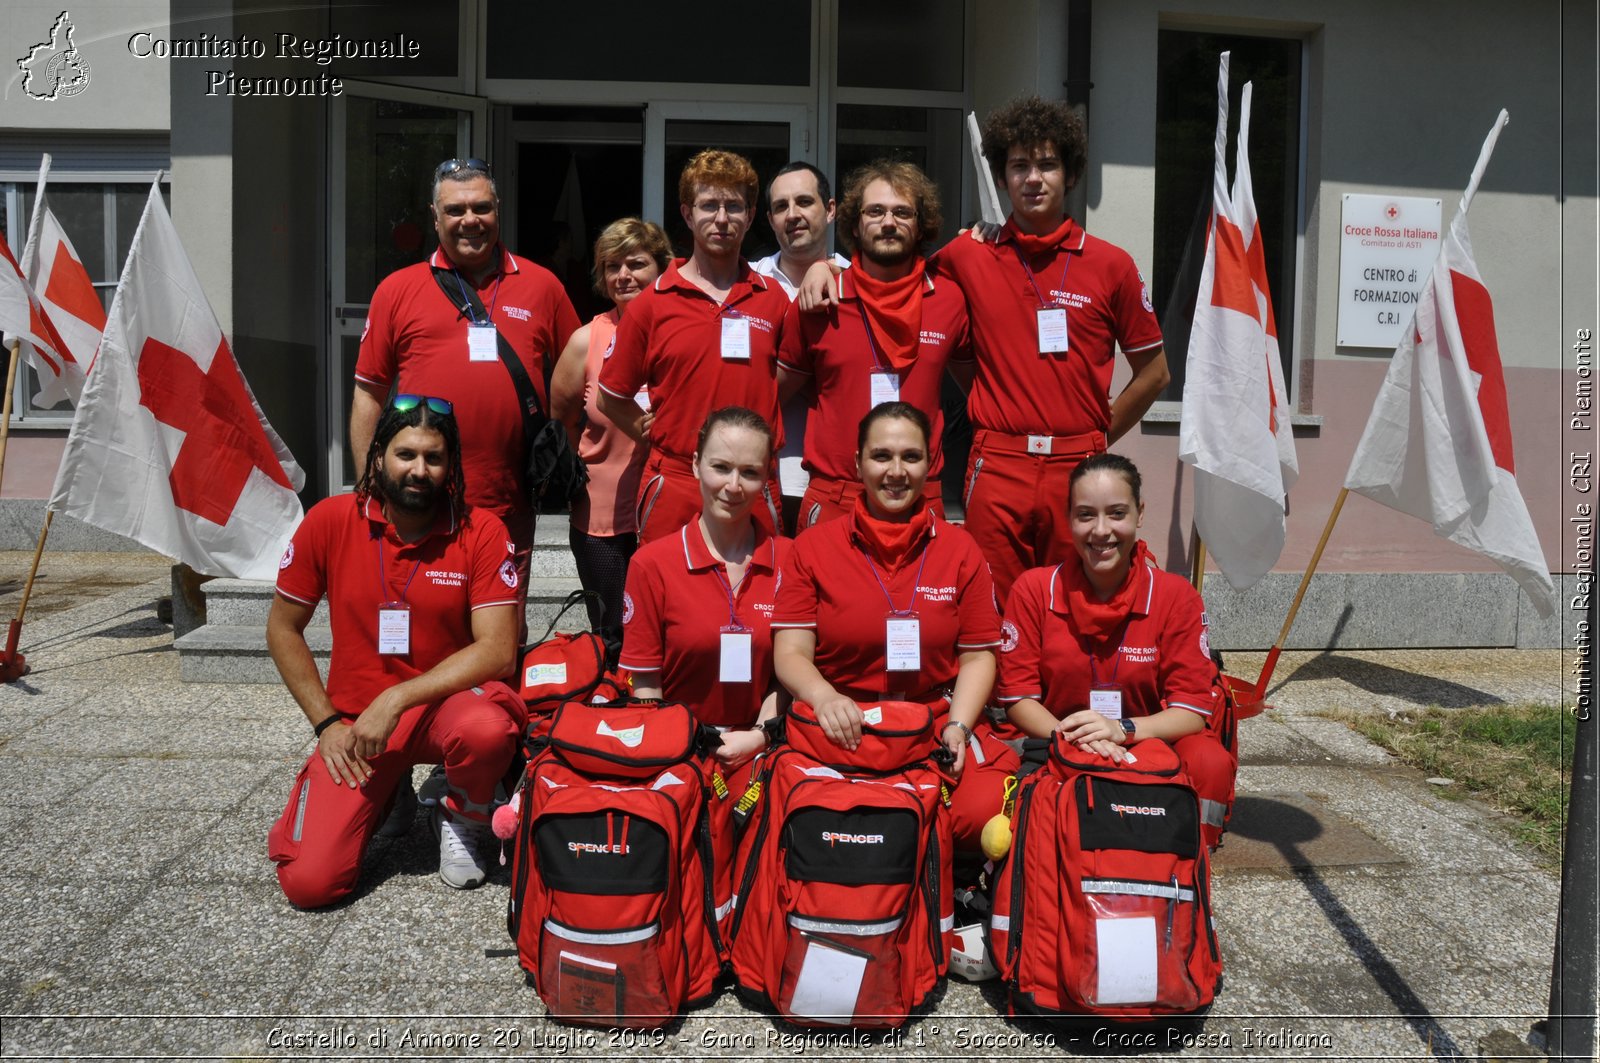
(168, 446)
(22, 315)
(1438, 443)
(1235, 428)
(53, 267)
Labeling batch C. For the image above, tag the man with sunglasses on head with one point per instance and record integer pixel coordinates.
(423, 598)
(889, 338)
(435, 328)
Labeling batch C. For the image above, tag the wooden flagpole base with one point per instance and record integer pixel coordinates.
(13, 665)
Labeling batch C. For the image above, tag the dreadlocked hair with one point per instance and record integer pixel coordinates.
(390, 424)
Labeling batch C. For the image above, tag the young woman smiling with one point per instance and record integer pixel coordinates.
(1112, 650)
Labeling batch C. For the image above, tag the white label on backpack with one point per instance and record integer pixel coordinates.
(667, 779)
(1127, 952)
(874, 715)
(822, 771)
(539, 674)
(630, 737)
(829, 983)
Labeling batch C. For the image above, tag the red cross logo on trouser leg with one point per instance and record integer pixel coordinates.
(223, 437)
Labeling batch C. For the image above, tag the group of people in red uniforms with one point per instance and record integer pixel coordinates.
(1041, 612)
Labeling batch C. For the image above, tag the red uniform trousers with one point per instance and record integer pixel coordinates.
(1211, 770)
(979, 794)
(826, 499)
(1016, 499)
(323, 833)
(669, 498)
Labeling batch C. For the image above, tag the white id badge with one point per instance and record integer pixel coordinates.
(642, 398)
(902, 644)
(483, 344)
(1053, 330)
(394, 629)
(735, 339)
(885, 387)
(1107, 702)
(735, 667)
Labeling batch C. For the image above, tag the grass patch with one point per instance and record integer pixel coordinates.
(1516, 758)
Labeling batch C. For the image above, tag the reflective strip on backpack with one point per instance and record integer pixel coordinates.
(1138, 889)
(999, 922)
(613, 937)
(1213, 813)
(724, 910)
(947, 924)
(823, 926)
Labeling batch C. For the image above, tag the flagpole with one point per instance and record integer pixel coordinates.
(5, 408)
(13, 665)
(1305, 581)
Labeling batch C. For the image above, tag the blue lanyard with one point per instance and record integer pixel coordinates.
(466, 299)
(911, 605)
(1034, 284)
(383, 582)
(1116, 662)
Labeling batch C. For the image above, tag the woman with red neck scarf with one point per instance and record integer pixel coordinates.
(890, 603)
(1112, 650)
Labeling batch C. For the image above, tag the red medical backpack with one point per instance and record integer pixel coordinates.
(1103, 905)
(611, 904)
(843, 902)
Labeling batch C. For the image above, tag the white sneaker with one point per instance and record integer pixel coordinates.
(460, 848)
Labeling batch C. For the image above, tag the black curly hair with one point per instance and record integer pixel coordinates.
(390, 424)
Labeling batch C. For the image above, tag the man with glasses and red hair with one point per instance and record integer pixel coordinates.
(703, 336)
(422, 597)
(436, 328)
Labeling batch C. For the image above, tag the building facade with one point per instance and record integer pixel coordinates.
(300, 138)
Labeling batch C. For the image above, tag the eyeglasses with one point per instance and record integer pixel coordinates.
(878, 210)
(450, 166)
(406, 403)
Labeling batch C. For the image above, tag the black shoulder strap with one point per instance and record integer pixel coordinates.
(466, 301)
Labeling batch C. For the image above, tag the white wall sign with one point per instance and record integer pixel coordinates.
(1387, 245)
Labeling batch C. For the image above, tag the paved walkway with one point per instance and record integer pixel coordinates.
(1362, 912)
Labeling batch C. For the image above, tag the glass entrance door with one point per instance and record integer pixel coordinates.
(385, 146)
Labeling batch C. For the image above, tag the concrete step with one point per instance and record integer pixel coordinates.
(231, 647)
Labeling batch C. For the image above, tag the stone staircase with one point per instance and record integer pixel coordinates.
(231, 646)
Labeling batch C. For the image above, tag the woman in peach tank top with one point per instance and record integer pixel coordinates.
(629, 255)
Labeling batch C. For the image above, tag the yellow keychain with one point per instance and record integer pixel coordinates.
(996, 837)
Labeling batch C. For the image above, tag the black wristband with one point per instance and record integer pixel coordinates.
(325, 724)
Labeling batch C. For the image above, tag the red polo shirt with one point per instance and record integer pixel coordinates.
(1163, 659)
(830, 586)
(353, 555)
(836, 350)
(1017, 390)
(671, 341)
(415, 335)
(675, 608)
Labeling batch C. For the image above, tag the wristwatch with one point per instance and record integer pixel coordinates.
(1127, 729)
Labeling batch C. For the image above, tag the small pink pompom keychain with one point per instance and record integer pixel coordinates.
(504, 822)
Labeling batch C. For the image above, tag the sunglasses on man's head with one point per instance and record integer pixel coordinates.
(450, 166)
(405, 403)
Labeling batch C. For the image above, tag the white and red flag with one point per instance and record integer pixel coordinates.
(1235, 429)
(52, 266)
(22, 316)
(1438, 443)
(168, 446)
